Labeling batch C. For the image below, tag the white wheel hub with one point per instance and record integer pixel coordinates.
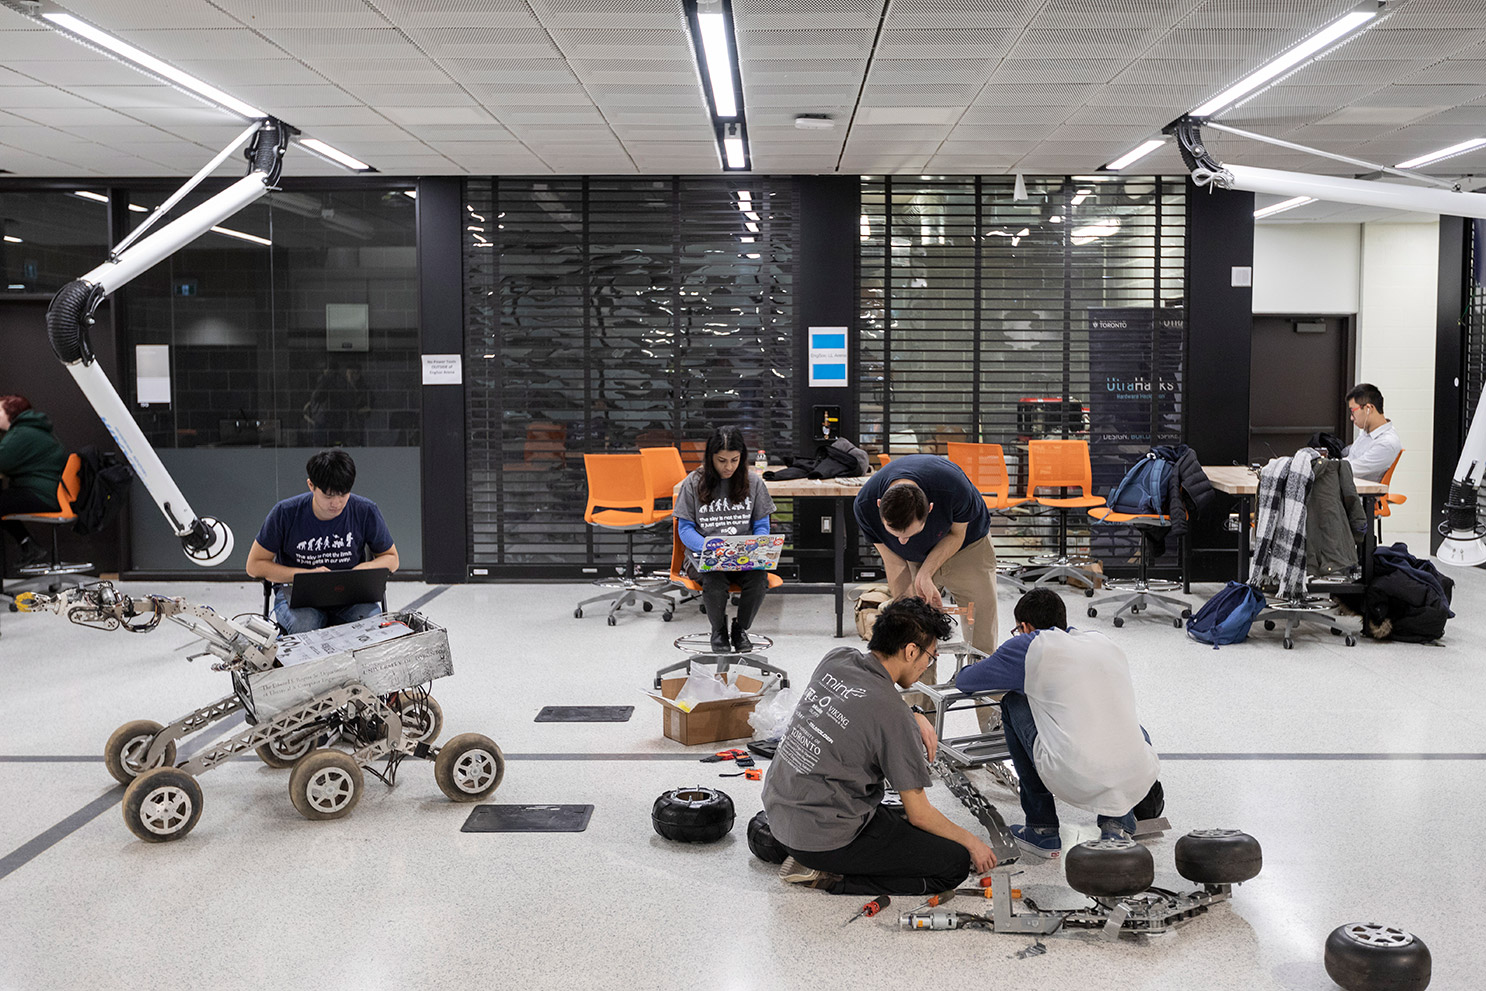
(165, 810)
(473, 771)
(330, 790)
(134, 753)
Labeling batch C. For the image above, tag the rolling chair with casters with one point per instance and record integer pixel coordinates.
(667, 470)
(985, 466)
(1061, 464)
(1382, 507)
(620, 498)
(55, 573)
(1138, 594)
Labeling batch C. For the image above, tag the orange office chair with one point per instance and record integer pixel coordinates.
(985, 466)
(666, 472)
(621, 497)
(1061, 464)
(1381, 507)
(1138, 594)
(883, 459)
(51, 575)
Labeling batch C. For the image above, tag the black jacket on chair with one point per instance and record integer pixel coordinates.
(1189, 494)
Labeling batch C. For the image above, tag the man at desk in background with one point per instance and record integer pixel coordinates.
(1377, 445)
(323, 529)
(931, 527)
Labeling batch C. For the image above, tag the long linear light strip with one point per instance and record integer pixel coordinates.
(1442, 154)
(88, 194)
(146, 61)
(716, 50)
(717, 53)
(1282, 206)
(143, 60)
(1307, 49)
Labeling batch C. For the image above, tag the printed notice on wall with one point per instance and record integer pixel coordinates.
(827, 357)
(443, 369)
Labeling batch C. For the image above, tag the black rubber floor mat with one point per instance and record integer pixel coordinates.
(528, 819)
(585, 713)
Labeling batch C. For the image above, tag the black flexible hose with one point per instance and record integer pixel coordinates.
(67, 319)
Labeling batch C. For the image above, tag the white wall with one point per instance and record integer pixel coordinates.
(1395, 352)
(1307, 269)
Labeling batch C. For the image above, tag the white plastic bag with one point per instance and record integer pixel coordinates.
(702, 685)
(771, 716)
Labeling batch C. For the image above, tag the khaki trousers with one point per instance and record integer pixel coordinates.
(970, 576)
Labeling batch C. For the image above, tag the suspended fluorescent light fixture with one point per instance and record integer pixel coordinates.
(318, 147)
(1135, 155)
(82, 29)
(88, 194)
(242, 236)
(715, 44)
(1309, 48)
(12, 239)
(1282, 206)
(1443, 153)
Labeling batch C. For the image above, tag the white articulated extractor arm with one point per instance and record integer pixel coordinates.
(206, 541)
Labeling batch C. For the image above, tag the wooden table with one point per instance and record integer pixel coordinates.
(840, 491)
(1237, 480)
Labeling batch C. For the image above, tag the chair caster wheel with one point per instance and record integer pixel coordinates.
(612, 621)
(1269, 624)
(1134, 610)
(1351, 641)
(1093, 612)
(1177, 623)
(666, 616)
(1088, 593)
(577, 613)
(1289, 643)
(1186, 614)
(647, 606)
(1118, 622)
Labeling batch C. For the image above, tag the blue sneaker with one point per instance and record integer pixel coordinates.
(1037, 841)
(1114, 831)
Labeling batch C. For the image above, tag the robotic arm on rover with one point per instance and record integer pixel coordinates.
(205, 540)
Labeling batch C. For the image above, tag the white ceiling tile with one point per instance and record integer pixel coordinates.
(127, 97)
(457, 13)
(485, 43)
(438, 115)
(20, 97)
(803, 45)
(411, 95)
(918, 116)
(657, 43)
(33, 43)
(310, 44)
(212, 45)
(956, 45)
(118, 17)
(298, 14)
(72, 117)
(281, 100)
(961, 13)
(85, 72)
(170, 116)
(343, 116)
(230, 74)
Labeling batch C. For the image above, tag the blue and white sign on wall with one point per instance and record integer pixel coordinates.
(827, 357)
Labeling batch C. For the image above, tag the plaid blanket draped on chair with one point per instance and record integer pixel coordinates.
(1279, 533)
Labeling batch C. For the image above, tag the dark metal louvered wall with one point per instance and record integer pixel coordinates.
(992, 319)
(604, 314)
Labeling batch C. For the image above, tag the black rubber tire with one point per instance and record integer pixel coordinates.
(1351, 641)
(1372, 957)
(1218, 856)
(1093, 612)
(1118, 622)
(162, 804)
(1176, 623)
(666, 616)
(693, 815)
(277, 755)
(1152, 805)
(326, 784)
(469, 767)
(1088, 593)
(578, 613)
(1269, 624)
(762, 842)
(647, 606)
(126, 746)
(612, 621)
(1186, 614)
(1109, 868)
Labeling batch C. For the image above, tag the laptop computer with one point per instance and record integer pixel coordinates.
(745, 552)
(333, 589)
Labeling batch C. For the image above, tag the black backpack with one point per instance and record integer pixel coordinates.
(103, 486)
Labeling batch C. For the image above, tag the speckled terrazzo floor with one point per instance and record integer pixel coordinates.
(394, 896)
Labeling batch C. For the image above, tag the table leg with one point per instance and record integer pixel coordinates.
(1243, 538)
(840, 526)
(1370, 542)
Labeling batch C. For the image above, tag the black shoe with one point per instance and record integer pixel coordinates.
(741, 643)
(720, 644)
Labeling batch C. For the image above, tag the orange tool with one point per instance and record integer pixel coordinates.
(984, 891)
(870, 909)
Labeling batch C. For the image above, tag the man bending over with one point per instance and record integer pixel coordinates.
(1069, 715)
(849, 736)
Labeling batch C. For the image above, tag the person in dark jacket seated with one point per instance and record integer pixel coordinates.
(31, 463)
(323, 529)
(1069, 714)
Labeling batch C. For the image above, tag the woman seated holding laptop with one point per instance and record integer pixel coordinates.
(723, 498)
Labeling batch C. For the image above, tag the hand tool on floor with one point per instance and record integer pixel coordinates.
(985, 892)
(723, 755)
(870, 909)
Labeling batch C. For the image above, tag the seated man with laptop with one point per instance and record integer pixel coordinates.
(318, 532)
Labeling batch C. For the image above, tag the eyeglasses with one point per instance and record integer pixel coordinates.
(932, 655)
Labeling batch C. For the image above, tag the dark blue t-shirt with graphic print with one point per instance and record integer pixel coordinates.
(299, 539)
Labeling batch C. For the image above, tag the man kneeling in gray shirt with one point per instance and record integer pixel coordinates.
(851, 734)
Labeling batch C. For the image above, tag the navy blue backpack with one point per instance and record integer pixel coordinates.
(1227, 616)
(1143, 489)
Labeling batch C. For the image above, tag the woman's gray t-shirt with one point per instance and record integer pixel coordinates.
(721, 516)
(850, 734)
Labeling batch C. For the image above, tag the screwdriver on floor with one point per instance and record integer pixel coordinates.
(870, 909)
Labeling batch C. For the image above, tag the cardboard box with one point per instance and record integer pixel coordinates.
(707, 722)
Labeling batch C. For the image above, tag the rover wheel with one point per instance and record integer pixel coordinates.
(124, 752)
(162, 804)
(422, 717)
(1218, 856)
(286, 751)
(325, 784)
(693, 815)
(1109, 868)
(1372, 957)
(469, 767)
(761, 840)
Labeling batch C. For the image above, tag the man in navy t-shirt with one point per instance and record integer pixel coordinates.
(931, 527)
(323, 529)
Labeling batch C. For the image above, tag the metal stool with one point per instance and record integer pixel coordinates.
(700, 644)
(1303, 609)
